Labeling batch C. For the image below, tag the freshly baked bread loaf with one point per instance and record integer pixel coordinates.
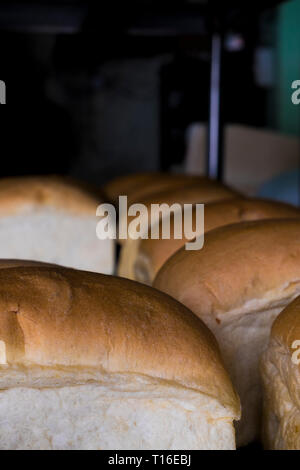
(139, 186)
(89, 361)
(172, 186)
(201, 192)
(145, 257)
(237, 284)
(181, 186)
(128, 184)
(52, 219)
(280, 370)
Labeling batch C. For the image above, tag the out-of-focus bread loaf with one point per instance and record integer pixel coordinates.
(181, 186)
(150, 254)
(280, 370)
(204, 191)
(89, 361)
(52, 219)
(237, 284)
(139, 186)
(128, 184)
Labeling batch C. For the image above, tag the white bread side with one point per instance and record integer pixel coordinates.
(125, 412)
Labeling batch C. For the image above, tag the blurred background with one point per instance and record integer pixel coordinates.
(189, 86)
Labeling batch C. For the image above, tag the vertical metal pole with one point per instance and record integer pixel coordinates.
(215, 127)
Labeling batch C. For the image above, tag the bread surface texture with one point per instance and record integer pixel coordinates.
(23, 194)
(139, 186)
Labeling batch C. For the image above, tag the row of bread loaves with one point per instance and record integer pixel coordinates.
(237, 284)
(89, 361)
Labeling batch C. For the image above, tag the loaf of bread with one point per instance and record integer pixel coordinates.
(204, 191)
(237, 284)
(280, 370)
(89, 361)
(144, 257)
(52, 219)
(139, 186)
(128, 184)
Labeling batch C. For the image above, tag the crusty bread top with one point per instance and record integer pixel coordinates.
(141, 187)
(286, 328)
(182, 189)
(216, 214)
(22, 194)
(127, 184)
(144, 184)
(63, 317)
(249, 266)
(204, 192)
(14, 263)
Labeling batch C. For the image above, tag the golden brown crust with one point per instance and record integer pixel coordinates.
(20, 194)
(251, 261)
(206, 192)
(183, 189)
(191, 194)
(126, 184)
(14, 263)
(63, 317)
(141, 187)
(138, 186)
(216, 214)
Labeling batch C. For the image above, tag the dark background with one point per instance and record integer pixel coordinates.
(65, 62)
